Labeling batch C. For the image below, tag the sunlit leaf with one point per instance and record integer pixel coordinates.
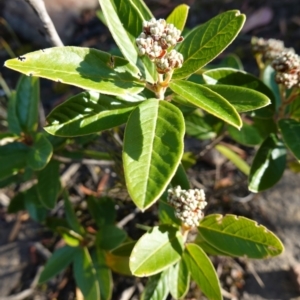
(202, 271)
(86, 68)
(87, 113)
(208, 100)
(239, 236)
(156, 287)
(208, 40)
(156, 250)
(153, 147)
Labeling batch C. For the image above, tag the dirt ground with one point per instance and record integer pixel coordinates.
(278, 208)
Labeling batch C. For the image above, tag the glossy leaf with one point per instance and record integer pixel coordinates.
(13, 157)
(179, 279)
(71, 216)
(208, 100)
(70, 237)
(208, 248)
(268, 164)
(27, 103)
(156, 287)
(234, 158)
(290, 130)
(109, 237)
(202, 271)
(85, 275)
(156, 250)
(103, 274)
(243, 99)
(40, 152)
(179, 16)
(207, 41)
(125, 22)
(268, 77)
(240, 78)
(102, 210)
(59, 261)
(153, 147)
(86, 68)
(12, 119)
(239, 236)
(87, 113)
(48, 185)
(248, 135)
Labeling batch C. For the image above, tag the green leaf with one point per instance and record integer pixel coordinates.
(86, 68)
(156, 287)
(16, 204)
(208, 248)
(102, 210)
(207, 41)
(243, 99)
(179, 279)
(229, 61)
(12, 119)
(48, 186)
(13, 157)
(180, 178)
(27, 103)
(268, 77)
(240, 78)
(71, 216)
(208, 100)
(59, 261)
(125, 22)
(239, 236)
(202, 271)
(86, 113)
(40, 152)
(197, 126)
(156, 250)
(71, 237)
(179, 16)
(234, 158)
(153, 147)
(33, 205)
(103, 274)
(248, 135)
(166, 212)
(110, 237)
(268, 164)
(290, 130)
(119, 262)
(85, 275)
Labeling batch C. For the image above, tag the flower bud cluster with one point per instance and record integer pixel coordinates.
(154, 41)
(287, 67)
(269, 49)
(188, 205)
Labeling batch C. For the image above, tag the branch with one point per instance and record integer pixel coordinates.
(40, 9)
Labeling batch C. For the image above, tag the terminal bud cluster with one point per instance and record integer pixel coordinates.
(287, 67)
(155, 40)
(188, 205)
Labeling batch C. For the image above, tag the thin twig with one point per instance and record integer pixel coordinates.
(84, 161)
(40, 9)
